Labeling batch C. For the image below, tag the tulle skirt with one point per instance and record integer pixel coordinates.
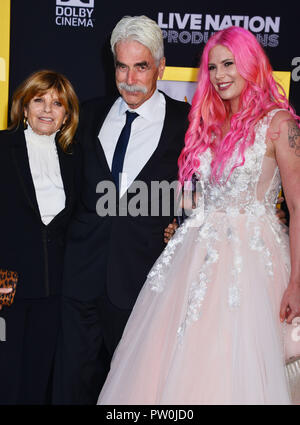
(205, 328)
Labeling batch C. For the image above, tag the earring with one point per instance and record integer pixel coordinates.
(25, 125)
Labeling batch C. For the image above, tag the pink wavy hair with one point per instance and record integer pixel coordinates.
(208, 111)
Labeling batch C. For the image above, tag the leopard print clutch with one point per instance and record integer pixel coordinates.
(8, 279)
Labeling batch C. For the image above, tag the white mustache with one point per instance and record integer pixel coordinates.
(132, 88)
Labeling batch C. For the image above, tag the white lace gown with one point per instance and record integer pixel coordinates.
(205, 328)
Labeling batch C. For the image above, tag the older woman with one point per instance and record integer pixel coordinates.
(37, 180)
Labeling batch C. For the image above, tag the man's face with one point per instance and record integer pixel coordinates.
(136, 72)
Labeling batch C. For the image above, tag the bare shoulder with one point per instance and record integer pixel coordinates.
(284, 130)
(281, 117)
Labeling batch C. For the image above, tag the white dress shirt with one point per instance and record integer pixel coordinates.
(46, 175)
(144, 137)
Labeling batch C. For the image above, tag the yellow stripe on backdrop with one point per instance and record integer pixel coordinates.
(173, 73)
(4, 60)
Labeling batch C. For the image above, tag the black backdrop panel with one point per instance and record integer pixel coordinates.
(72, 36)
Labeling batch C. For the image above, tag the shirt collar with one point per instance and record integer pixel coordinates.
(150, 109)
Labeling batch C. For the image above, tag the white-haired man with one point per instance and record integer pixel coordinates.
(108, 257)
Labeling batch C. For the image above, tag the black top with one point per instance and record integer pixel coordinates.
(34, 250)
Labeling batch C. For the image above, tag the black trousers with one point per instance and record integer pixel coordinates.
(28, 351)
(90, 333)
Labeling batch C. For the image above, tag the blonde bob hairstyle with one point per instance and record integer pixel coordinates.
(37, 84)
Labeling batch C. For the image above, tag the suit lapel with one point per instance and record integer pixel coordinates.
(97, 124)
(22, 167)
(101, 155)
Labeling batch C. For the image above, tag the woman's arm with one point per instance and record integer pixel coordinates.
(287, 152)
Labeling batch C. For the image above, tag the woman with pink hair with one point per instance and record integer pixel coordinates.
(213, 322)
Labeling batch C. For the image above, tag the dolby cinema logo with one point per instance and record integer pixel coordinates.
(75, 13)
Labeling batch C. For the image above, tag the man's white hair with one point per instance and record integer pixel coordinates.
(141, 29)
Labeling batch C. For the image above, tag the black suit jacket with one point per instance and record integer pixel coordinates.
(115, 253)
(27, 246)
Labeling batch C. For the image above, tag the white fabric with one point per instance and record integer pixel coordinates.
(144, 137)
(205, 328)
(46, 175)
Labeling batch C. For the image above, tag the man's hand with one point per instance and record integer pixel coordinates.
(280, 212)
(170, 230)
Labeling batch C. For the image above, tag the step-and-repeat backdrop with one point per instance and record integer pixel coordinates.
(72, 36)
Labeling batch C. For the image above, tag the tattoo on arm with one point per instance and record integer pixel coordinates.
(294, 137)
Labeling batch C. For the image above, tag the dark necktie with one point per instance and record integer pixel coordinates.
(119, 154)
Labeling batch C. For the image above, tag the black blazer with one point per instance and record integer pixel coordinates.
(115, 253)
(27, 246)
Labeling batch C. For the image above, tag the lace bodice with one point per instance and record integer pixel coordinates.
(251, 188)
